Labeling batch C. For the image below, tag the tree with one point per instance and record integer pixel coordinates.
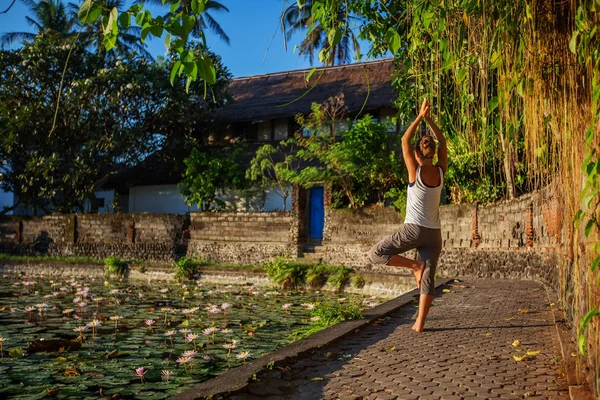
(112, 114)
(49, 17)
(358, 164)
(208, 172)
(336, 48)
(275, 166)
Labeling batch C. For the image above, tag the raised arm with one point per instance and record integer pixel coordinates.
(407, 151)
(442, 148)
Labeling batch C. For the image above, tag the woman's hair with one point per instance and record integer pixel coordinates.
(425, 147)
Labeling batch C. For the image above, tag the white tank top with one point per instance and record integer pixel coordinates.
(423, 202)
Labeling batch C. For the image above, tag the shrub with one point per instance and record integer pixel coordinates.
(116, 266)
(186, 268)
(398, 200)
(328, 313)
(285, 273)
(358, 281)
(339, 277)
(316, 276)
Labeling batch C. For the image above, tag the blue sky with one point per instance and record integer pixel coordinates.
(252, 25)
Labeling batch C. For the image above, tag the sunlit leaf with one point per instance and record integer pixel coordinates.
(393, 40)
(588, 317)
(89, 12)
(573, 42)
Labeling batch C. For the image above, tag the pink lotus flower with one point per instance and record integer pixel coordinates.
(141, 372)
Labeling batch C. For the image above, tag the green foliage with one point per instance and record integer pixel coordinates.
(291, 274)
(186, 268)
(286, 273)
(398, 199)
(358, 281)
(116, 266)
(112, 114)
(328, 314)
(339, 277)
(331, 43)
(316, 276)
(362, 163)
(209, 172)
(585, 45)
(587, 318)
(467, 180)
(185, 21)
(275, 166)
(16, 352)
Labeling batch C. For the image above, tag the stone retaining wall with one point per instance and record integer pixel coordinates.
(245, 238)
(512, 239)
(507, 240)
(140, 236)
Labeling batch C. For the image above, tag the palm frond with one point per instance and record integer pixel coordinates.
(215, 5)
(215, 27)
(11, 37)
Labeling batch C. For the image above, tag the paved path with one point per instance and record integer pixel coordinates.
(465, 352)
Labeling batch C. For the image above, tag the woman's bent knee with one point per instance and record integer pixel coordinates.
(377, 258)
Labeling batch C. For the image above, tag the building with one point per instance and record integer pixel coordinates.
(264, 111)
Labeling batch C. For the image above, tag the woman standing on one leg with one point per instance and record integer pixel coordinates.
(421, 229)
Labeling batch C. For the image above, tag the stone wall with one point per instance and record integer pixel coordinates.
(509, 239)
(243, 237)
(513, 239)
(141, 236)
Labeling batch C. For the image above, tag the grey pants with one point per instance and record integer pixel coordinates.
(428, 243)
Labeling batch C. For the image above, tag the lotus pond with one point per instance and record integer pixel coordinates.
(88, 338)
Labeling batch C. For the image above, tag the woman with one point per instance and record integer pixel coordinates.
(421, 229)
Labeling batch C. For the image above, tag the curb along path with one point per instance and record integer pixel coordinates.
(466, 352)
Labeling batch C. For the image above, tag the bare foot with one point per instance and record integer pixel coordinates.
(419, 268)
(418, 326)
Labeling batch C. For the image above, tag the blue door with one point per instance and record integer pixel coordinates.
(317, 213)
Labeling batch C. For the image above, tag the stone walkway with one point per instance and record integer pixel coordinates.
(465, 352)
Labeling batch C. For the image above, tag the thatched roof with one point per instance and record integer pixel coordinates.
(285, 94)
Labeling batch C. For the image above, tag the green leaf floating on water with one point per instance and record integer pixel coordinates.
(15, 353)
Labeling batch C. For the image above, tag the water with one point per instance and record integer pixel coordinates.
(105, 363)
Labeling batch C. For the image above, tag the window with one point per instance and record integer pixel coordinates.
(341, 126)
(264, 131)
(280, 131)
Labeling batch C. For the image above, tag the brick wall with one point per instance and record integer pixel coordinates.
(243, 237)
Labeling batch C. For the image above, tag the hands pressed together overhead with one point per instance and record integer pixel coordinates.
(424, 113)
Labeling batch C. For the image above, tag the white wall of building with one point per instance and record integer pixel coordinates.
(107, 196)
(160, 199)
(167, 199)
